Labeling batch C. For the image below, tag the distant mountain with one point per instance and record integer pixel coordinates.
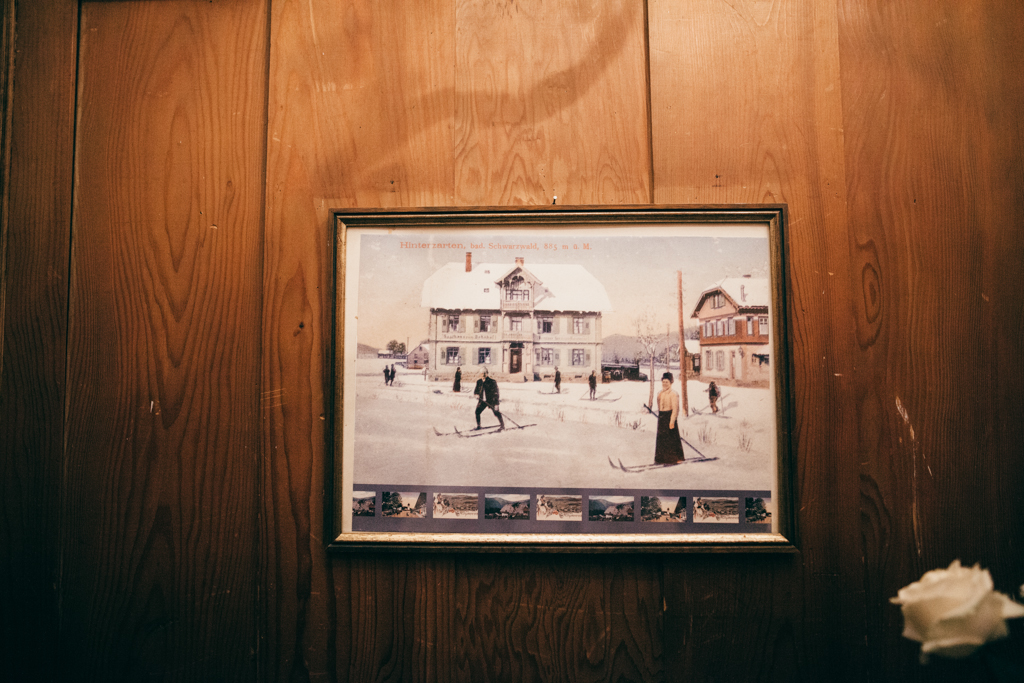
(366, 350)
(626, 347)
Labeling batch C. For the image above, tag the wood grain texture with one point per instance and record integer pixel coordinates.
(33, 328)
(935, 158)
(746, 108)
(360, 115)
(509, 618)
(363, 107)
(551, 100)
(161, 497)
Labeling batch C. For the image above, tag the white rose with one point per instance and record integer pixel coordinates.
(952, 612)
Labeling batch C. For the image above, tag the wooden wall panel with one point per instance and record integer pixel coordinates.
(364, 106)
(935, 158)
(33, 328)
(161, 497)
(360, 115)
(551, 100)
(746, 107)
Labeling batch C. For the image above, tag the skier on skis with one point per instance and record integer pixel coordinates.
(486, 393)
(713, 394)
(592, 380)
(558, 381)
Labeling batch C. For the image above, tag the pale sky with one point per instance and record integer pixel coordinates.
(638, 272)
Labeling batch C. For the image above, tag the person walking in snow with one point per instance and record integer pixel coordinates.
(713, 395)
(392, 380)
(387, 375)
(558, 381)
(457, 387)
(487, 397)
(592, 380)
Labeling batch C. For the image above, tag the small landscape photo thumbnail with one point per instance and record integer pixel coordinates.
(560, 508)
(364, 503)
(456, 505)
(716, 510)
(663, 508)
(507, 506)
(404, 504)
(759, 510)
(611, 509)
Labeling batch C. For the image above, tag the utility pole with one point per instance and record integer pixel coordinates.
(682, 345)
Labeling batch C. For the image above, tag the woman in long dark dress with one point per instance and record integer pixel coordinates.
(669, 447)
(457, 387)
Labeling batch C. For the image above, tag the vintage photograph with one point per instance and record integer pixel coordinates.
(561, 359)
(364, 503)
(663, 509)
(711, 510)
(404, 504)
(557, 508)
(456, 505)
(507, 506)
(611, 509)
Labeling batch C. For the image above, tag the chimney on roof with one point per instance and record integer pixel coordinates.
(743, 293)
(519, 261)
(469, 262)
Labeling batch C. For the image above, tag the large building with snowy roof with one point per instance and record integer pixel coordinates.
(517, 322)
(734, 331)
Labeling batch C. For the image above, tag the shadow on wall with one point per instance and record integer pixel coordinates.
(605, 36)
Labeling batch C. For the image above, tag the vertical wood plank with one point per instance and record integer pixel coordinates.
(360, 115)
(551, 100)
(161, 502)
(746, 108)
(935, 158)
(37, 186)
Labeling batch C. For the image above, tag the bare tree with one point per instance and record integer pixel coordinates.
(648, 336)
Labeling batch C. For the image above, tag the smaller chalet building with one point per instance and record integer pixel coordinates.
(734, 331)
(419, 357)
(517, 322)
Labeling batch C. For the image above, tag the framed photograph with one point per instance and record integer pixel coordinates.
(560, 379)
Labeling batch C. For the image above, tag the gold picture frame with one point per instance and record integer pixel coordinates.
(541, 306)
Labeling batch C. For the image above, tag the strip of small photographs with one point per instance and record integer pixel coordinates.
(517, 510)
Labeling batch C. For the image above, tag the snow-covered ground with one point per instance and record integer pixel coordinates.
(571, 443)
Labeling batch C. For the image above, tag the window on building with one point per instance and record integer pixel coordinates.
(515, 324)
(720, 360)
(762, 322)
(580, 326)
(483, 356)
(517, 290)
(719, 328)
(732, 326)
(710, 362)
(485, 323)
(545, 357)
(750, 326)
(709, 329)
(452, 323)
(578, 357)
(717, 300)
(545, 325)
(451, 356)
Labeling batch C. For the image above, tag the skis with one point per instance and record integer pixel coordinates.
(457, 432)
(553, 393)
(602, 397)
(480, 431)
(654, 465)
(487, 431)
